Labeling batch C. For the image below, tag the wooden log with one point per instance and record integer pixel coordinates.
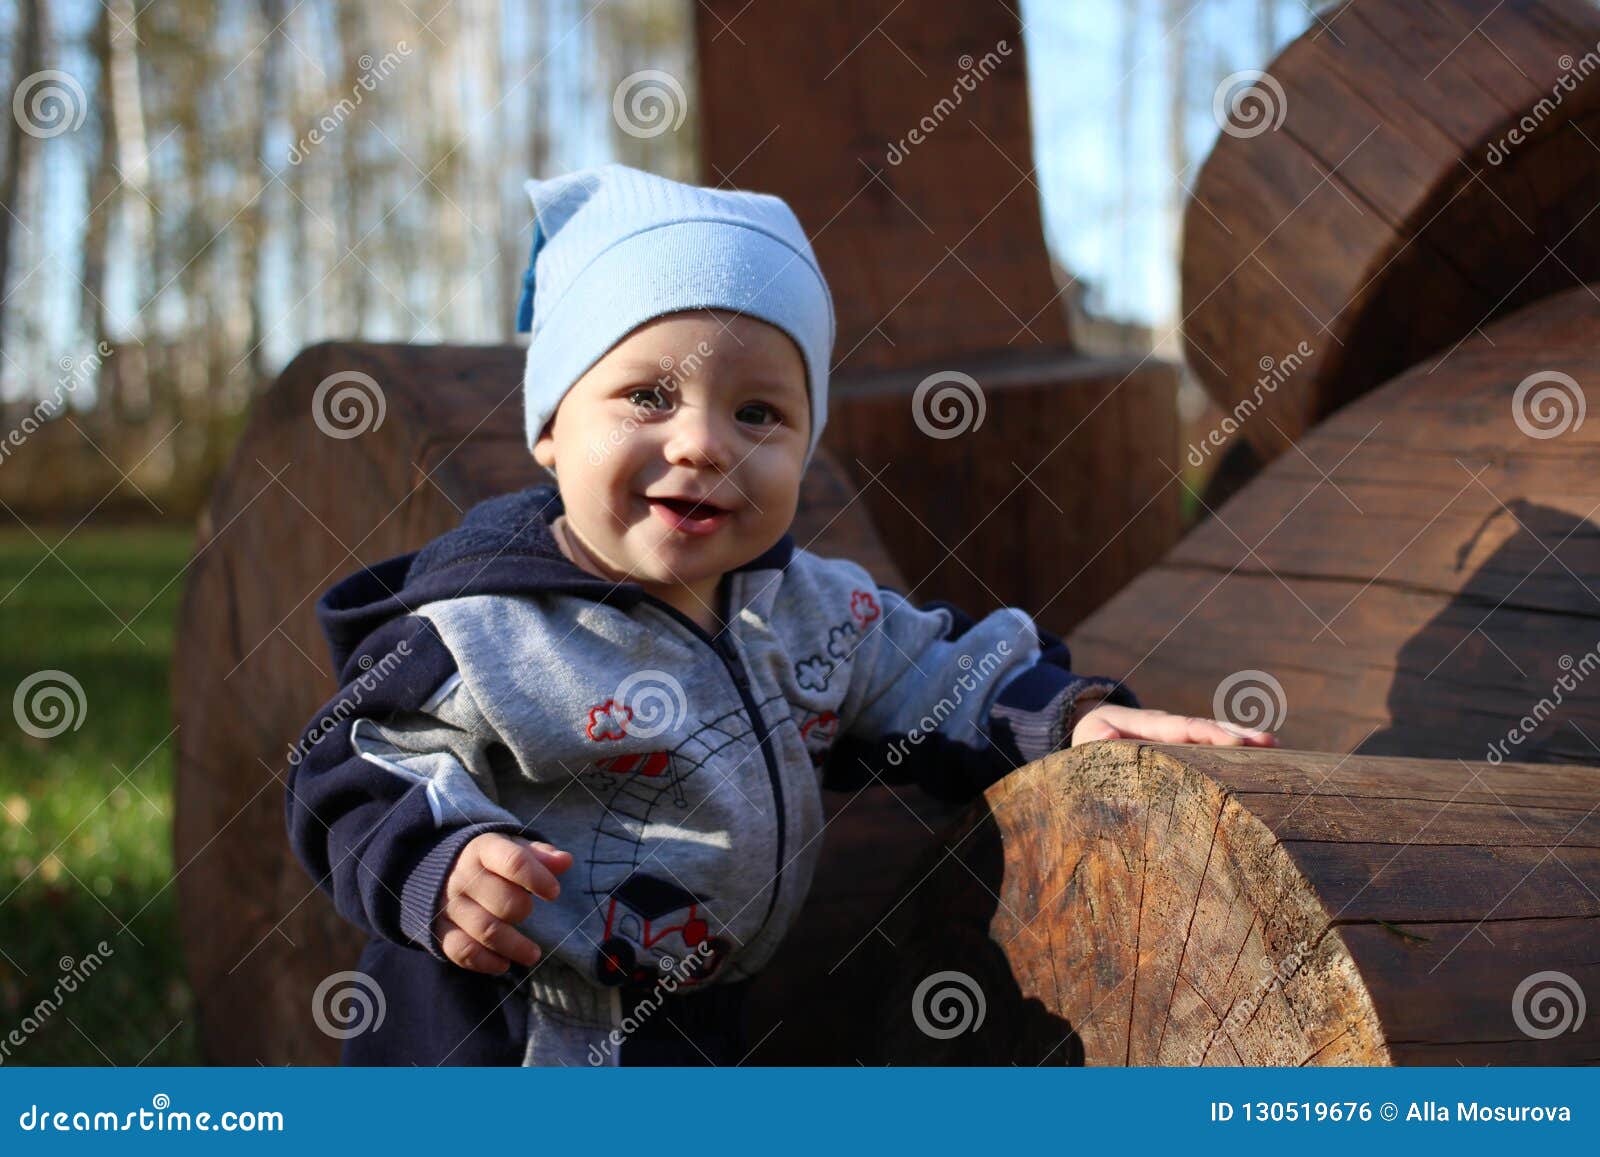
(1131, 903)
(296, 509)
(1434, 168)
(1415, 578)
(923, 267)
(1054, 490)
(912, 172)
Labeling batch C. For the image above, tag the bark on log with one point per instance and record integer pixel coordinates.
(1130, 903)
(1394, 209)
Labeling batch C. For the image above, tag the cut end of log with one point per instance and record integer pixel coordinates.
(1114, 905)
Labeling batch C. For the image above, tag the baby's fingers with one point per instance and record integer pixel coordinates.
(509, 902)
(1167, 727)
(1221, 733)
(460, 948)
(526, 866)
(491, 932)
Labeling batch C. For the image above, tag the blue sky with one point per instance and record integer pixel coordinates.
(1076, 73)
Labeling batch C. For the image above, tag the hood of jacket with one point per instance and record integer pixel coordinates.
(503, 545)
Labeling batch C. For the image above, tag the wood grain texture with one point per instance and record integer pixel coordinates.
(1056, 495)
(1391, 213)
(1058, 489)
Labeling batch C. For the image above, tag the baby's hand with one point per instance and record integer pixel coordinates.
(489, 891)
(1110, 721)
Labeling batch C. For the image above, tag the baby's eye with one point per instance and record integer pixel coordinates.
(646, 396)
(760, 409)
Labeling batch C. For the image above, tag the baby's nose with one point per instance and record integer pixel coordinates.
(700, 441)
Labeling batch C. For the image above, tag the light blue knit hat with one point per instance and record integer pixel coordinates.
(614, 246)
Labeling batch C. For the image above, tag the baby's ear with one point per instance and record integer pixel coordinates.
(544, 448)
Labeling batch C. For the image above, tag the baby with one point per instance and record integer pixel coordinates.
(571, 784)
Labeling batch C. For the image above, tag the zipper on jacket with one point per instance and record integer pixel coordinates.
(729, 654)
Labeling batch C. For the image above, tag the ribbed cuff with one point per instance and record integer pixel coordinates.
(1036, 712)
(419, 896)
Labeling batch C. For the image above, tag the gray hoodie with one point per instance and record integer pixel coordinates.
(683, 771)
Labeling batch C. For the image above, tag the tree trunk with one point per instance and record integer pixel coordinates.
(103, 185)
(20, 148)
(132, 367)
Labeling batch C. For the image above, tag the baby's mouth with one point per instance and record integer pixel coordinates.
(687, 515)
(688, 509)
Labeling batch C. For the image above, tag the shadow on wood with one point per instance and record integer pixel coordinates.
(1411, 576)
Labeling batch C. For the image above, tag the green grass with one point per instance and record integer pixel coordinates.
(86, 815)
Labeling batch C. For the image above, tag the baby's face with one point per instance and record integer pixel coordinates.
(706, 405)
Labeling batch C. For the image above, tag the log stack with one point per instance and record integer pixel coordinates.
(1405, 594)
(1410, 579)
(1414, 578)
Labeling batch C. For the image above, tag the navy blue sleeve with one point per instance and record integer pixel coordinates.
(380, 836)
(1031, 715)
(1035, 713)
